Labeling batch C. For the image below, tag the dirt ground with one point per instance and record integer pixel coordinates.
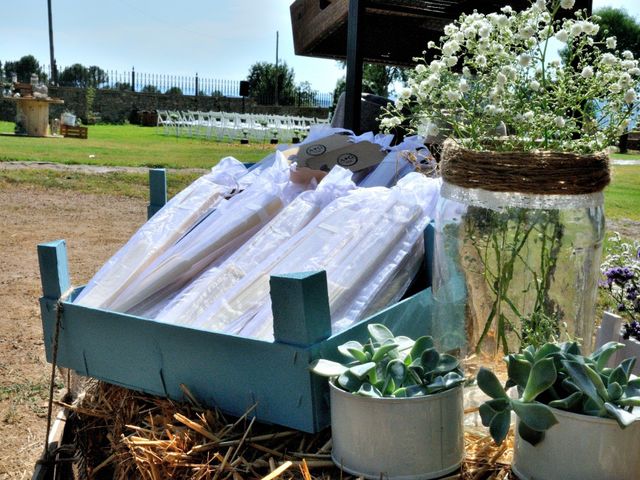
(94, 227)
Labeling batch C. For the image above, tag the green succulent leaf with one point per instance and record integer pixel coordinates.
(529, 435)
(361, 371)
(421, 344)
(416, 391)
(569, 386)
(614, 391)
(355, 350)
(570, 347)
(396, 370)
(584, 380)
(602, 355)
(436, 385)
(542, 376)
(518, 370)
(530, 354)
(383, 350)
(629, 402)
(379, 333)
(623, 417)
(327, 368)
(536, 415)
(567, 403)
(400, 393)
(491, 408)
(429, 359)
(452, 379)
(618, 375)
(447, 363)
(499, 426)
(627, 365)
(368, 390)
(546, 350)
(349, 382)
(489, 384)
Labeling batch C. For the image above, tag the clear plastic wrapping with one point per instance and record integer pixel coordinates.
(160, 232)
(217, 235)
(216, 280)
(360, 240)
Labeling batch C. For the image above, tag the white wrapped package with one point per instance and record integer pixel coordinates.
(215, 281)
(348, 239)
(223, 230)
(379, 269)
(160, 232)
(395, 164)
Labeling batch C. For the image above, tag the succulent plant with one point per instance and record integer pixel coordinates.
(558, 376)
(388, 366)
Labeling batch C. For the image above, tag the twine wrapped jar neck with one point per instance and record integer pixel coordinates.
(536, 172)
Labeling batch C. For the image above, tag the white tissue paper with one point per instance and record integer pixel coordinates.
(197, 296)
(361, 240)
(160, 232)
(217, 235)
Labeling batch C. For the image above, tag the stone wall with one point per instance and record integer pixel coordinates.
(115, 106)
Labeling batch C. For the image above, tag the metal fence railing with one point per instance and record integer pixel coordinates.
(193, 85)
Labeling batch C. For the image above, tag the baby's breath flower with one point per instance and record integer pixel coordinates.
(611, 42)
(528, 115)
(630, 96)
(524, 59)
(586, 72)
(534, 85)
(431, 44)
(559, 121)
(576, 29)
(562, 36)
(421, 68)
(567, 4)
(463, 85)
(627, 55)
(608, 59)
(481, 60)
(453, 95)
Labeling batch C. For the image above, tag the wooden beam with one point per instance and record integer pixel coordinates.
(353, 91)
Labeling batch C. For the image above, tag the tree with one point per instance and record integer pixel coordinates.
(23, 68)
(150, 89)
(618, 23)
(174, 91)
(306, 94)
(376, 79)
(77, 75)
(122, 86)
(262, 83)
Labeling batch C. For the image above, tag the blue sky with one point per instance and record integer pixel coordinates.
(215, 38)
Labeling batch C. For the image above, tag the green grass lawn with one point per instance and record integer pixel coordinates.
(131, 145)
(126, 145)
(622, 196)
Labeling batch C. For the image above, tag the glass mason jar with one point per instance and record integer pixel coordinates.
(514, 269)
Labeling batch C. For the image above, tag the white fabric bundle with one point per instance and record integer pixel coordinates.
(216, 280)
(160, 232)
(360, 240)
(220, 233)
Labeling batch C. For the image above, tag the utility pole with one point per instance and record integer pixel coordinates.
(52, 58)
(277, 39)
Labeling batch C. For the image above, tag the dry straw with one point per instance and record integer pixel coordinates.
(536, 172)
(121, 434)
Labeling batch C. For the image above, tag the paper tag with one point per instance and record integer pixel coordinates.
(354, 156)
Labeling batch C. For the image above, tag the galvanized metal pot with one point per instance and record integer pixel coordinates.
(397, 438)
(580, 447)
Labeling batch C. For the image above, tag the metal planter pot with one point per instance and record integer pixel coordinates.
(397, 438)
(580, 447)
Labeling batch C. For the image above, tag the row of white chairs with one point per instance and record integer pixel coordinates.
(233, 126)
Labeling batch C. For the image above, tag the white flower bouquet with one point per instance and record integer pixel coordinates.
(502, 69)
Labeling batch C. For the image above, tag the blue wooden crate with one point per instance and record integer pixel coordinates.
(230, 372)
